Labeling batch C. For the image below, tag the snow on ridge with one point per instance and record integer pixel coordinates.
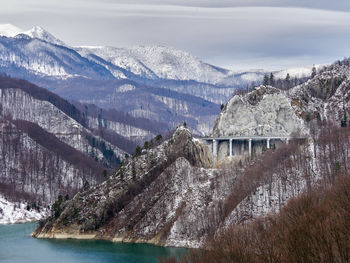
(294, 72)
(41, 33)
(156, 62)
(10, 30)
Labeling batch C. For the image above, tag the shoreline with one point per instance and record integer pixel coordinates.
(93, 236)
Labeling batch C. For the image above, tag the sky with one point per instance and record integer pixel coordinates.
(235, 34)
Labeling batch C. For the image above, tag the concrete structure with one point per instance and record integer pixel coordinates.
(238, 144)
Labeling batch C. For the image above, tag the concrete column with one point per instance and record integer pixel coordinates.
(215, 147)
(268, 143)
(242, 147)
(230, 147)
(250, 147)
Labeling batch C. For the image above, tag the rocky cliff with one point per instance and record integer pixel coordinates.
(266, 111)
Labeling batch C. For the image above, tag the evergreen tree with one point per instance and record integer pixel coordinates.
(86, 185)
(266, 80)
(344, 121)
(56, 207)
(137, 151)
(287, 81)
(313, 71)
(272, 79)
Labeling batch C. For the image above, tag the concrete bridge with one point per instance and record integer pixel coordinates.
(239, 144)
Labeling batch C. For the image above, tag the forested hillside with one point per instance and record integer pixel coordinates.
(50, 148)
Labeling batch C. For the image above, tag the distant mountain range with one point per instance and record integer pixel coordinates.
(154, 82)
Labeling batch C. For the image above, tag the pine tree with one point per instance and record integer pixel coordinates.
(137, 151)
(266, 80)
(287, 81)
(86, 185)
(344, 121)
(313, 71)
(272, 79)
(288, 77)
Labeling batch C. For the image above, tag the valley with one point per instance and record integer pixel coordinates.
(149, 150)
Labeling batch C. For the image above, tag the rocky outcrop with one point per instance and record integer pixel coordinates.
(157, 197)
(266, 111)
(324, 97)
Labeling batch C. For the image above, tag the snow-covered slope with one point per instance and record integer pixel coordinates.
(158, 62)
(18, 212)
(41, 33)
(9, 30)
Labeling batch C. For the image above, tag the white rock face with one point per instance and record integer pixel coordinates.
(263, 112)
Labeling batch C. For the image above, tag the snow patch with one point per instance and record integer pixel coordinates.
(12, 213)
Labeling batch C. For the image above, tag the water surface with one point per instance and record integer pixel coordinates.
(17, 246)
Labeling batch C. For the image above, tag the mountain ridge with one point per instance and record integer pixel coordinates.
(108, 74)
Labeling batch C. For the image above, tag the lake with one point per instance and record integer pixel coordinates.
(17, 246)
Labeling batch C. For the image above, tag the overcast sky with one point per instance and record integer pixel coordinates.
(237, 34)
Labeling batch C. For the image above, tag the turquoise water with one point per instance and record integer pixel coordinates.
(17, 246)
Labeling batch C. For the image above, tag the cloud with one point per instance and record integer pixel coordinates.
(238, 34)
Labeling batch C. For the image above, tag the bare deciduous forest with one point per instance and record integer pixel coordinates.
(37, 167)
(312, 227)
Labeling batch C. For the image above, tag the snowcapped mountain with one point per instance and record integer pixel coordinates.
(137, 62)
(41, 33)
(9, 30)
(158, 62)
(26, 56)
(155, 82)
